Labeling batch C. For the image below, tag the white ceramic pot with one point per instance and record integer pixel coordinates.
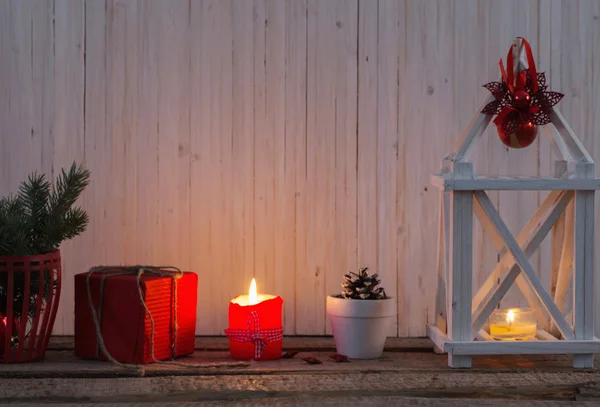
(360, 326)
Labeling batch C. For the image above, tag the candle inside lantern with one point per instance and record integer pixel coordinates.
(513, 324)
(255, 327)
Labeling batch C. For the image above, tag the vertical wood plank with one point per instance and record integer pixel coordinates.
(178, 108)
(173, 133)
(294, 188)
(221, 44)
(320, 203)
(148, 128)
(68, 130)
(461, 260)
(368, 130)
(466, 95)
(113, 138)
(441, 100)
(280, 217)
(391, 172)
(583, 275)
(211, 74)
(203, 160)
(594, 145)
(441, 312)
(114, 85)
(242, 248)
(17, 112)
(96, 239)
(130, 135)
(344, 251)
(264, 267)
(565, 270)
(546, 163)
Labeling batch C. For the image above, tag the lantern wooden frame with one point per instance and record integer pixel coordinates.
(568, 211)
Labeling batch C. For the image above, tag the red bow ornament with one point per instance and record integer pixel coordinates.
(260, 338)
(521, 101)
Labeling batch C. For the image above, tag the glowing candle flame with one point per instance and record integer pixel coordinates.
(510, 317)
(252, 295)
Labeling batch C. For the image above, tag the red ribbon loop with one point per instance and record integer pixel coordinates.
(509, 74)
(260, 338)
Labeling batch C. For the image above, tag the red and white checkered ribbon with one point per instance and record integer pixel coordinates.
(260, 338)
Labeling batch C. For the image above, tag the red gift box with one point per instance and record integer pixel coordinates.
(126, 327)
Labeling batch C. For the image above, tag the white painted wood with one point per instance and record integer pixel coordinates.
(459, 284)
(281, 246)
(205, 157)
(558, 144)
(332, 109)
(565, 267)
(440, 339)
(368, 235)
(386, 137)
(122, 110)
(473, 348)
(346, 145)
(483, 336)
(524, 264)
(523, 237)
(511, 262)
(465, 145)
(558, 237)
(545, 335)
(583, 275)
(68, 138)
(443, 262)
(578, 151)
(421, 82)
(243, 153)
(97, 148)
(295, 160)
(481, 183)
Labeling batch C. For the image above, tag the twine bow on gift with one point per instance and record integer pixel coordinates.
(260, 338)
(138, 271)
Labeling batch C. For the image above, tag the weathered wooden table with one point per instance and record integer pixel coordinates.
(409, 373)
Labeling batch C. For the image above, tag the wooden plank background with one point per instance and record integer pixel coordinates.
(287, 140)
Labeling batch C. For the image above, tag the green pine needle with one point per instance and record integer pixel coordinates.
(37, 221)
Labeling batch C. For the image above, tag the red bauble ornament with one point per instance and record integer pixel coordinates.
(4, 330)
(521, 138)
(521, 98)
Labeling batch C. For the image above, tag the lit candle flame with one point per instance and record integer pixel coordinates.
(252, 295)
(510, 317)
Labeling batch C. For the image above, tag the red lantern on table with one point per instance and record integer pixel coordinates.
(255, 327)
(521, 102)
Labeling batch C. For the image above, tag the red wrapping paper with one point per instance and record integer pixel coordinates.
(126, 327)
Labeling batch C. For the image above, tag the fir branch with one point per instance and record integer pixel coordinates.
(37, 221)
(67, 190)
(33, 196)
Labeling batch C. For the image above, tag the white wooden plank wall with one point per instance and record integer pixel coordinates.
(287, 140)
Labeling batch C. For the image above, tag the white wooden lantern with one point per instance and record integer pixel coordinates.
(459, 329)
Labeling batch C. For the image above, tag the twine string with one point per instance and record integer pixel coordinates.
(138, 271)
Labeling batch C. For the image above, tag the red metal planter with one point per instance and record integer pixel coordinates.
(29, 295)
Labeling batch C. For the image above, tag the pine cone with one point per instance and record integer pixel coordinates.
(361, 286)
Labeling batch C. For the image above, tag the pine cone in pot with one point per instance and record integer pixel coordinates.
(362, 286)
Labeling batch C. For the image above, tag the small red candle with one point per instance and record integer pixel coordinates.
(255, 328)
